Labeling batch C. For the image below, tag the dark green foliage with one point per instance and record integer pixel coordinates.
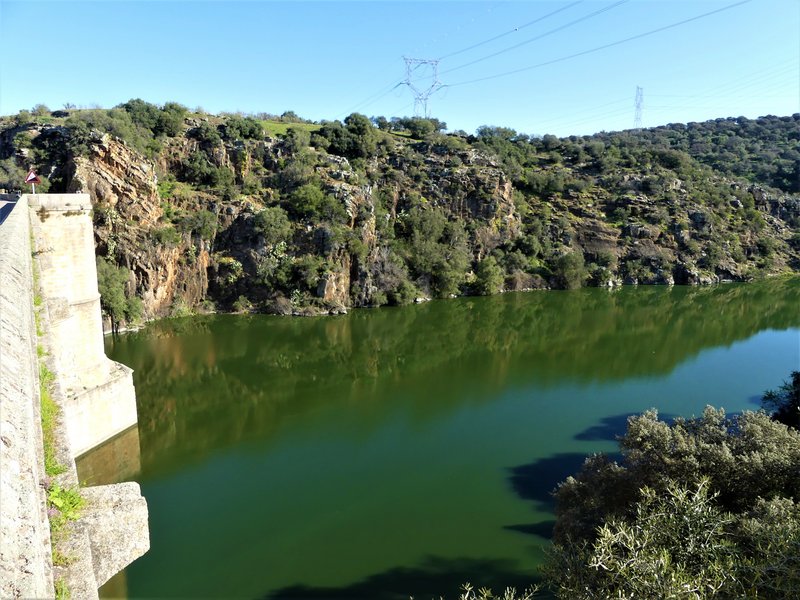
(355, 139)
(763, 150)
(206, 134)
(570, 270)
(784, 403)
(309, 201)
(141, 112)
(171, 119)
(166, 121)
(167, 236)
(489, 277)
(422, 213)
(118, 122)
(703, 505)
(418, 127)
(112, 281)
(297, 139)
(201, 223)
(242, 128)
(273, 223)
(436, 249)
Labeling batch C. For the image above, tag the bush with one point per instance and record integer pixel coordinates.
(203, 223)
(489, 277)
(676, 545)
(114, 300)
(570, 270)
(242, 128)
(703, 504)
(785, 402)
(273, 223)
(167, 236)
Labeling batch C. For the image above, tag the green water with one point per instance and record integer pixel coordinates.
(403, 451)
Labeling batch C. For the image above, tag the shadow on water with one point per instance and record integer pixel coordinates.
(537, 480)
(435, 577)
(611, 428)
(542, 529)
(608, 429)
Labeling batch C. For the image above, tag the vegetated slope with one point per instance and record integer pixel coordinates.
(201, 208)
(764, 150)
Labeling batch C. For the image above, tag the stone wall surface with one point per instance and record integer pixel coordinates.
(100, 399)
(95, 395)
(25, 558)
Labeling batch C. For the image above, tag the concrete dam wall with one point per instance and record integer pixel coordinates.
(95, 395)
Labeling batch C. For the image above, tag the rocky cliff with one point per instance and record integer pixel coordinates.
(216, 212)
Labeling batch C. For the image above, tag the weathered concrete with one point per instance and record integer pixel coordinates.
(116, 517)
(25, 559)
(101, 400)
(96, 398)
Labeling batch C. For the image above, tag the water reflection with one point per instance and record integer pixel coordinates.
(404, 451)
(209, 381)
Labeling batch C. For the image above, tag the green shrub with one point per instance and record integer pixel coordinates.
(489, 277)
(167, 236)
(570, 270)
(701, 505)
(273, 223)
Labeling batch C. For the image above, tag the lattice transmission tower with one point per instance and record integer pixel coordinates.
(637, 113)
(429, 74)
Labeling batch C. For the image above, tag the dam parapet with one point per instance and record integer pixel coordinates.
(52, 235)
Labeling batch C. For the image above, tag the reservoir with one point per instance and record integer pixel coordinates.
(404, 451)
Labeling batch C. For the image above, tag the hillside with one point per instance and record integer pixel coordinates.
(196, 211)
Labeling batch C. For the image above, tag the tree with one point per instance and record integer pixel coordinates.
(111, 282)
(363, 139)
(242, 128)
(382, 123)
(676, 545)
(170, 119)
(489, 277)
(297, 139)
(707, 504)
(419, 127)
(570, 270)
(785, 401)
(273, 223)
(141, 112)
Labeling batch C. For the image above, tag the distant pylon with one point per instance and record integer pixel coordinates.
(421, 95)
(637, 114)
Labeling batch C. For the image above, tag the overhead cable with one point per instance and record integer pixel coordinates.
(515, 30)
(538, 37)
(603, 47)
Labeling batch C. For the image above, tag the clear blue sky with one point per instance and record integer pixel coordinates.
(326, 59)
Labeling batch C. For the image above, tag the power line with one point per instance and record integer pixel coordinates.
(763, 80)
(603, 47)
(740, 84)
(538, 37)
(515, 30)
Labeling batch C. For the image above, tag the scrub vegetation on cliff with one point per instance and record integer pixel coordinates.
(262, 212)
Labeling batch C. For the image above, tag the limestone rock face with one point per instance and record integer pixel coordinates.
(123, 187)
(631, 220)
